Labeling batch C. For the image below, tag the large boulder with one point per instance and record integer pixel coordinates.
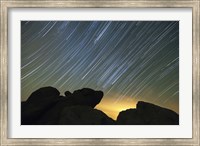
(37, 104)
(44, 106)
(51, 117)
(67, 93)
(43, 94)
(82, 97)
(84, 115)
(85, 96)
(148, 114)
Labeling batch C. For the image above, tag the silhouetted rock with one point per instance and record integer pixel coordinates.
(37, 104)
(51, 116)
(44, 106)
(148, 114)
(43, 94)
(84, 115)
(83, 97)
(86, 96)
(67, 93)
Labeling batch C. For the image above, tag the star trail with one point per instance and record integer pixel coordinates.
(128, 60)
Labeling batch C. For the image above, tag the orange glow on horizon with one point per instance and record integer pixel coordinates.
(113, 108)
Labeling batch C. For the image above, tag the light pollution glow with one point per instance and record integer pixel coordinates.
(113, 108)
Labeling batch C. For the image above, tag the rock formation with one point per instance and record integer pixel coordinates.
(37, 104)
(148, 114)
(84, 115)
(45, 106)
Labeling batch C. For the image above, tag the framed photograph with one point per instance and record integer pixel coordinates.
(100, 72)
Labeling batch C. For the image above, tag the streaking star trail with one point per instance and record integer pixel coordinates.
(128, 60)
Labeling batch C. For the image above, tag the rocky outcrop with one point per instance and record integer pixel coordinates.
(45, 105)
(84, 115)
(43, 94)
(86, 96)
(148, 114)
(37, 104)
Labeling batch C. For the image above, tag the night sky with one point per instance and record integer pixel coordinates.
(128, 60)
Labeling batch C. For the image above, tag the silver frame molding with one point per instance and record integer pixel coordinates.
(6, 4)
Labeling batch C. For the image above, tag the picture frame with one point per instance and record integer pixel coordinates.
(5, 5)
